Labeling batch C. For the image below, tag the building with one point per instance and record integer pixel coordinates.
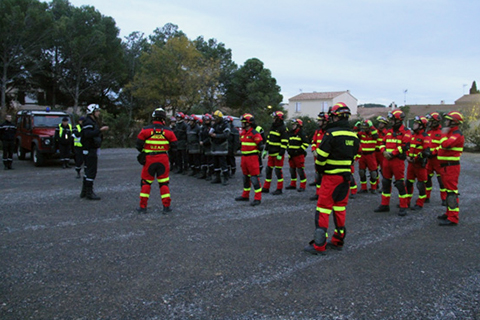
(311, 103)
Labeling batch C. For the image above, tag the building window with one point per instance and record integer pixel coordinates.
(298, 107)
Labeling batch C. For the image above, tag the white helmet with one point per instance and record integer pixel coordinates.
(92, 108)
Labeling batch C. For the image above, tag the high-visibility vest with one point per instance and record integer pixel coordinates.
(77, 139)
(61, 129)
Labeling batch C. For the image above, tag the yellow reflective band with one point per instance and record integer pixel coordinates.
(454, 210)
(258, 190)
(344, 133)
(163, 180)
(448, 158)
(249, 144)
(338, 208)
(144, 195)
(322, 153)
(247, 189)
(386, 195)
(156, 142)
(339, 162)
(323, 210)
(166, 195)
(403, 197)
(275, 133)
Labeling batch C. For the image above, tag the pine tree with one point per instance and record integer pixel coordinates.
(474, 89)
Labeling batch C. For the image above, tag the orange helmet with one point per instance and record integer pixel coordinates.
(396, 114)
(340, 110)
(454, 116)
(247, 118)
(298, 122)
(278, 114)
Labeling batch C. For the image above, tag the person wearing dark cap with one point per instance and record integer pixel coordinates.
(7, 135)
(77, 146)
(63, 140)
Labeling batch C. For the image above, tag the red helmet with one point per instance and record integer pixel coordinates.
(322, 116)
(180, 115)
(229, 118)
(173, 119)
(298, 122)
(278, 114)
(434, 116)
(340, 110)
(396, 114)
(247, 118)
(207, 116)
(454, 116)
(421, 120)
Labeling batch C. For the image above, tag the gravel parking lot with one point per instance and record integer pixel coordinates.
(63, 257)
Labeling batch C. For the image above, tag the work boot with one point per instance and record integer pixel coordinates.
(382, 208)
(416, 207)
(330, 245)
(83, 193)
(217, 178)
(402, 212)
(363, 191)
(166, 210)
(442, 217)
(313, 198)
(373, 191)
(447, 223)
(291, 188)
(241, 199)
(67, 164)
(264, 190)
(141, 210)
(90, 194)
(311, 249)
(277, 192)
(194, 172)
(301, 190)
(224, 179)
(427, 200)
(233, 171)
(78, 174)
(255, 203)
(312, 184)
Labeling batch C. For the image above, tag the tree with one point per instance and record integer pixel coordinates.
(170, 76)
(252, 89)
(168, 31)
(473, 89)
(24, 27)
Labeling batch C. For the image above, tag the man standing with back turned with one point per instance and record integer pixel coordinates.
(335, 156)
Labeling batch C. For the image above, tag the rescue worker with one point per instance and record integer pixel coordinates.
(335, 154)
(251, 141)
(260, 130)
(368, 136)
(417, 162)
(206, 159)
(233, 146)
(171, 154)
(63, 140)
(394, 148)
(7, 135)
(433, 165)
(181, 154)
(448, 154)
(77, 145)
(322, 121)
(277, 141)
(193, 144)
(91, 141)
(382, 123)
(219, 134)
(155, 141)
(296, 149)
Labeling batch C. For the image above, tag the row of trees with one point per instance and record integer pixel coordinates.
(66, 56)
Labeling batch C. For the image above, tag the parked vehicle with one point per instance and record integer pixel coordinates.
(36, 134)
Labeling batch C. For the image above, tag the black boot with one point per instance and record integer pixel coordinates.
(83, 193)
(382, 208)
(203, 174)
(67, 164)
(224, 178)
(78, 173)
(216, 178)
(89, 191)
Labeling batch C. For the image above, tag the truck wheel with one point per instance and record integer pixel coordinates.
(38, 158)
(20, 151)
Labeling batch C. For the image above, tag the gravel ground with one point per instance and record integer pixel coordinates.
(63, 257)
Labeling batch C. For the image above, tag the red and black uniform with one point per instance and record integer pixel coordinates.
(316, 141)
(335, 156)
(276, 146)
(417, 169)
(448, 154)
(397, 143)
(297, 146)
(433, 165)
(251, 141)
(156, 140)
(368, 143)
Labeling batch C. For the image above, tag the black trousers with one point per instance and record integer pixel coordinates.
(79, 158)
(91, 161)
(8, 149)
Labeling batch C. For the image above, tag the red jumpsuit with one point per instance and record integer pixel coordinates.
(368, 143)
(449, 152)
(250, 140)
(378, 153)
(418, 152)
(397, 143)
(156, 140)
(316, 140)
(433, 165)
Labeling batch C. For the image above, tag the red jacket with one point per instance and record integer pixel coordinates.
(250, 141)
(451, 146)
(397, 142)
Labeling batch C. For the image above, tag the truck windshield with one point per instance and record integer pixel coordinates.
(47, 121)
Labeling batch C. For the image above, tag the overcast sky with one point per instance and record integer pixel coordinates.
(377, 49)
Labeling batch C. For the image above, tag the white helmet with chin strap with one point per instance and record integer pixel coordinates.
(92, 108)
